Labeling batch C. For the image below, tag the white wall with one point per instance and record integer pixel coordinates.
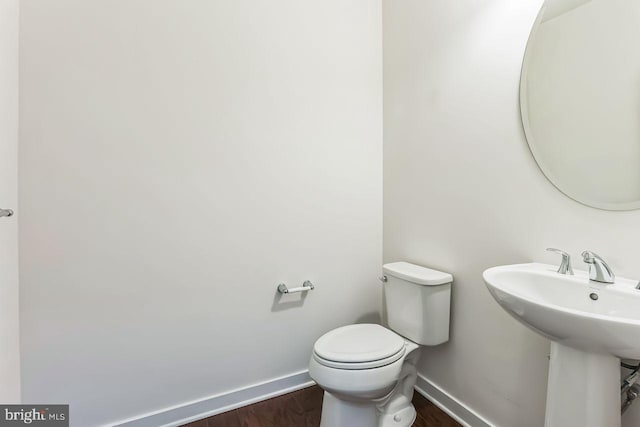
(178, 160)
(463, 193)
(9, 292)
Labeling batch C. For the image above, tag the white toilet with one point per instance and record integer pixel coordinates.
(368, 371)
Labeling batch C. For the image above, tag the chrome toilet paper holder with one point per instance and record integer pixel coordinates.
(306, 286)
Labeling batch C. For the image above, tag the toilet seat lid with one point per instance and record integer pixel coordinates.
(358, 343)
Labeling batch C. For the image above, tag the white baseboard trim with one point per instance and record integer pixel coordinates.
(216, 404)
(209, 406)
(449, 404)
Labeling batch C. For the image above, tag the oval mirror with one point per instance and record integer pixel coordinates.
(580, 99)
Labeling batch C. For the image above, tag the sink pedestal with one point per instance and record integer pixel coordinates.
(583, 389)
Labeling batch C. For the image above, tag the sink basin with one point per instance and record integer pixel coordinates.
(571, 310)
(591, 327)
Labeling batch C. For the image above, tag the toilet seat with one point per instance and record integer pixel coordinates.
(360, 365)
(361, 346)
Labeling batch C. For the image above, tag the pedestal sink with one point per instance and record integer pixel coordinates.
(591, 327)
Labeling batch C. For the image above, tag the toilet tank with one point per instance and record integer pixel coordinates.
(418, 301)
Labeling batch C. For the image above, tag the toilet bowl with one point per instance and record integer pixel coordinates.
(363, 368)
(368, 372)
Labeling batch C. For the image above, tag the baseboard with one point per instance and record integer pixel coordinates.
(209, 406)
(449, 404)
(216, 404)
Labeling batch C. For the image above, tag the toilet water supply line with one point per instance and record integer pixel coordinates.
(630, 389)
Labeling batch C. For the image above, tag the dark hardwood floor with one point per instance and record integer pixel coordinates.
(302, 409)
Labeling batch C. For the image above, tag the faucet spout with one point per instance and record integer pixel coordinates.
(599, 271)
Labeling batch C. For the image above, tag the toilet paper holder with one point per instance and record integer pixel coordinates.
(306, 286)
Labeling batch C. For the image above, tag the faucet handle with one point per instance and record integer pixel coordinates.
(565, 265)
(589, 257)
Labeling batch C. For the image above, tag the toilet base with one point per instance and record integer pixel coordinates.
(402, 418)
(344, 413)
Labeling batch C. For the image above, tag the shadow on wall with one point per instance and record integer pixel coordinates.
(283, 302)
(371, 317)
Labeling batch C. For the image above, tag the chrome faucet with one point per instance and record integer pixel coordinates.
(599, 271)
(565, 265)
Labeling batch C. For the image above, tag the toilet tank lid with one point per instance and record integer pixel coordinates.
(417, 274)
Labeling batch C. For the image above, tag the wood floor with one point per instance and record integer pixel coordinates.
(302, 409)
